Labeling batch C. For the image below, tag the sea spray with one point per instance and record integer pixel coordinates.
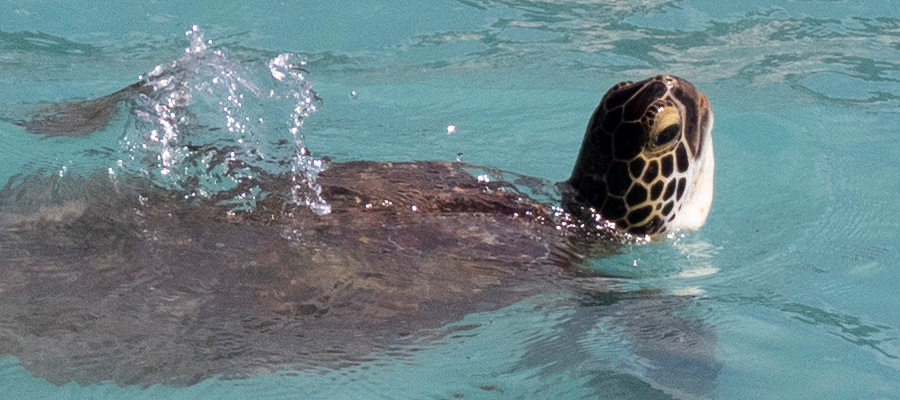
(204, 125)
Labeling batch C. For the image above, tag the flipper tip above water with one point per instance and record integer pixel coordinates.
(79, 118)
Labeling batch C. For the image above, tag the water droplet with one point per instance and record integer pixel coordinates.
(353, 94)
(320, 207)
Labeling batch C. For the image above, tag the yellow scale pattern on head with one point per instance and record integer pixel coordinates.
(639, 161)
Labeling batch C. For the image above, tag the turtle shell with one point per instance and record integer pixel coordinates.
(103, 282)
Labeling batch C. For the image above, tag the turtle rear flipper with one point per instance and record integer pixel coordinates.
(78, 118)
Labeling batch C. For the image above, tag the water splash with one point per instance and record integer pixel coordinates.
(305, 168)
(205, 126)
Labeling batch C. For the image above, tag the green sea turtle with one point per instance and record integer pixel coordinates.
(136, 284)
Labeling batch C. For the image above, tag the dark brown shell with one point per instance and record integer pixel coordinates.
(115, 285)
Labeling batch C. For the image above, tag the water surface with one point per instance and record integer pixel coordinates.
(794, 270)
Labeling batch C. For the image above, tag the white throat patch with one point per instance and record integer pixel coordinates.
(695, 207)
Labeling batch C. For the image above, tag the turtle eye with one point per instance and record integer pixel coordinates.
(667, 135)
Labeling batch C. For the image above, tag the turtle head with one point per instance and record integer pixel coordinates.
(646, 162)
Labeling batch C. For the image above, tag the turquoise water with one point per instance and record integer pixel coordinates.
(794, 271)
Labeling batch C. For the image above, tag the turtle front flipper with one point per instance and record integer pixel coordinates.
(652, 343)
